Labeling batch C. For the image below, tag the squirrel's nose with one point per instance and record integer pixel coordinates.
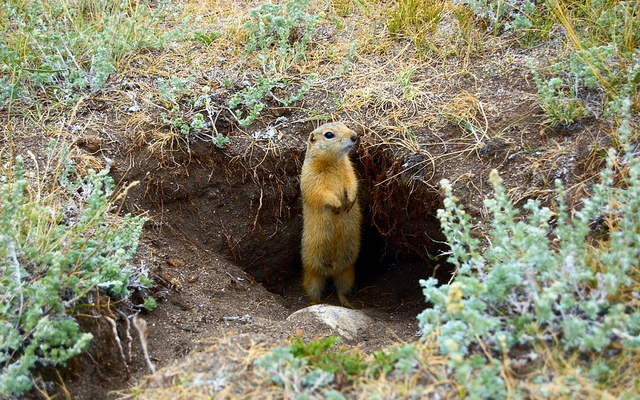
(354, 137)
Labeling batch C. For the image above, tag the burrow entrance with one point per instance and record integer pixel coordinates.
(243, 202)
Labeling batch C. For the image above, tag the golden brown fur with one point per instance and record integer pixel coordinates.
(330, 210)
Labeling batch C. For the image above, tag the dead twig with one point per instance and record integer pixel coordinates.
(143, 332)
(114, 329)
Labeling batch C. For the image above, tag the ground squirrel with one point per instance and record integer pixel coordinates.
(330, 210)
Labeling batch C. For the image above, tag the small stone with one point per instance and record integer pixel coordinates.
(345, 322)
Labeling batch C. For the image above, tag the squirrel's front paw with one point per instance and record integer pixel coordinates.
(348, 202)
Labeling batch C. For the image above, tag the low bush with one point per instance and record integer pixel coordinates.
(544, 281)
(58, 245)
(310, 368)
(602, 67)
(530, 19)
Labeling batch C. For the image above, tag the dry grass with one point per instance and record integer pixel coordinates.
(398, 109)
(198, 377)
(552, 374)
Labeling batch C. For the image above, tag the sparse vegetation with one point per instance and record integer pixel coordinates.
(529, 18)
(558, 100)
(63, 49)
(309, 368)
(278, 36)
(603, 68)
(206, 38)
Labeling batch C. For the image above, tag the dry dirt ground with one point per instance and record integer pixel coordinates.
(222, 240)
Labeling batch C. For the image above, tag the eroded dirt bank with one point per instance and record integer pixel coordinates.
(243, 202)
(222, 244)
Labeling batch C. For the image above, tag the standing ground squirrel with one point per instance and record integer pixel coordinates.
(330, 210)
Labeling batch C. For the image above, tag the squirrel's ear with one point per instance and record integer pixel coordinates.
(312, 137)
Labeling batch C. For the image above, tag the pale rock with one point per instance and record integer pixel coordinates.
(343, 321)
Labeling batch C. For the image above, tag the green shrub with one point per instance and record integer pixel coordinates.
(558, 99)
(57, 245)
(395, 359)
(206, 38)
(530, 18)
(309, 368)
(172, 92)
(319, 353)
(286, 29)
(292, 372)
(542, 280)
(603, 67)
(196, 129)
(150, 304)
(597, 72)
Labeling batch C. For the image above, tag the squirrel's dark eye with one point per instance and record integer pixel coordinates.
(329, 135)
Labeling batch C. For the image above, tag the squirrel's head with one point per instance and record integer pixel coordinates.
(333, 138)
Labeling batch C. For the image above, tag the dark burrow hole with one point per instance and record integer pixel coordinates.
(245, 205)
